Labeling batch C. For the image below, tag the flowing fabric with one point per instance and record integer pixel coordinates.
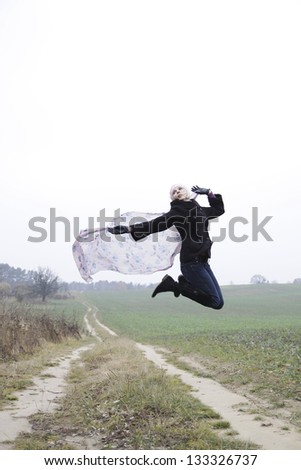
(99, 250)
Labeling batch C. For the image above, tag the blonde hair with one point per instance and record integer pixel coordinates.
(177, 186)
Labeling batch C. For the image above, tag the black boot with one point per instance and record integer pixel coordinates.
(167, 285)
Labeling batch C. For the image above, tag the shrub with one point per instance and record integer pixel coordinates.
(23, 329)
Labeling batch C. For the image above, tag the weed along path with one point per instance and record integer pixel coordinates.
(42, 397)
(269, 432)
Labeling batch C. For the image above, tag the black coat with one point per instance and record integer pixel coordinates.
(191, 221)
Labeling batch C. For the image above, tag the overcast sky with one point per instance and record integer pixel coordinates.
(106, 104)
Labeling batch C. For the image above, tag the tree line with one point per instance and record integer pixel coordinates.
(44, 283)
(260, 279)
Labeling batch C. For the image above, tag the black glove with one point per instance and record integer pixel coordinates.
(119, 229)
(198, 190)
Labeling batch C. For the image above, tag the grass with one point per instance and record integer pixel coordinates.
(253, 341)
(71, 309)
(119, 400)
(246, 308)
(24, 328)
(30, 336)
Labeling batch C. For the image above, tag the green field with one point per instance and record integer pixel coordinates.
(255, 340)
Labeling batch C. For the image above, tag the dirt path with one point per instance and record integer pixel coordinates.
(269, 433)
(42, 397)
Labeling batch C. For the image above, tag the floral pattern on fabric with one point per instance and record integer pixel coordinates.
(99, 250)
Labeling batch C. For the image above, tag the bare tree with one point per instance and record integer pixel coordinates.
(45, 283)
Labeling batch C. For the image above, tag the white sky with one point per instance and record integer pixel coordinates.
(106, 104)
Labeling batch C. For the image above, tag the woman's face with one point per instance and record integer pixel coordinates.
(180, 192)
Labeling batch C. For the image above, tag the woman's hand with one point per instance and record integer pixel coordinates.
(198, 190)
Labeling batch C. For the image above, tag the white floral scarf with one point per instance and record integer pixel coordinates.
(98, 250)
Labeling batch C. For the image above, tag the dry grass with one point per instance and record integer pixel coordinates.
(24, 328)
